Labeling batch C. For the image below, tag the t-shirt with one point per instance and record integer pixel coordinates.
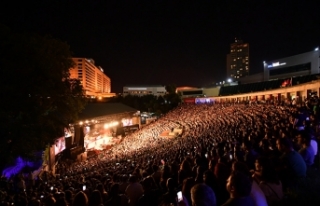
(272, 191)
(257, 195)
(243, 201)
(314, 146)
(296, 166)
(308, 155)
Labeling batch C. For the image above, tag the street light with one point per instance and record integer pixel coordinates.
(229, 80)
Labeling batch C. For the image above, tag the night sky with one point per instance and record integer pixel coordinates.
(169, 42)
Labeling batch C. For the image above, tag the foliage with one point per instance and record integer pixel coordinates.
(38, 99)
(150, 103)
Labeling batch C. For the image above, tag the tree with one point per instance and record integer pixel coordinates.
(38, 98)
(171, 89)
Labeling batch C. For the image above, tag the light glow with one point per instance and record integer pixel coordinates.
(276, 64)
(137, 88)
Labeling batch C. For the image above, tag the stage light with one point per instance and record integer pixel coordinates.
(81, 123)
(106, 126)
(87, 121)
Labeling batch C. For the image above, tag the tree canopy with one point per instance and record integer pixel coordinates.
(150, 103)
(38, 98)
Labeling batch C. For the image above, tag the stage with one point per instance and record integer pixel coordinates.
(171, 134)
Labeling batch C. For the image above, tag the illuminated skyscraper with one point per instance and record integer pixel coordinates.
(238, 60)
(94, 81)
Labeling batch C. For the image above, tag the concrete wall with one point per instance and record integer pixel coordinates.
(308, 57)
(300, 91)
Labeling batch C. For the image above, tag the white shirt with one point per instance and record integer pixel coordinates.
(257, 195)
(314, 146)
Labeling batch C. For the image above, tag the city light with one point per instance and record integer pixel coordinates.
(316, 49)
(229, 80)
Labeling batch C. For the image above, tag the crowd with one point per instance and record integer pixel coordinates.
(228, 154)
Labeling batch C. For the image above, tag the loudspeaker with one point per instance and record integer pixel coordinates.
(81, 139)
(68, 142)
(120, 131)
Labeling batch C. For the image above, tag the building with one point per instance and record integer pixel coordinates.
(156, 90)
(293, 66)
(238, 60)
(94, 81)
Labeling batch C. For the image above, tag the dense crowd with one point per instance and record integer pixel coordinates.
(228, 154)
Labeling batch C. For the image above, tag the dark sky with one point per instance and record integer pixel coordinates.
(169, 42)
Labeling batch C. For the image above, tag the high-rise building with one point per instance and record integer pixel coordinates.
(94, 81)
(238, 60)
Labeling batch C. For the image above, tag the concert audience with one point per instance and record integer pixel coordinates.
(210, 162)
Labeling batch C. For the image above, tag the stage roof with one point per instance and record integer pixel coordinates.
(93, 110)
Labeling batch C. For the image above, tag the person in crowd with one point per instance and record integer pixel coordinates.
(69, 197)
(306, 150)
(103, 192)
(269, 181)
(250, 154)
(134, 190)
(184, 172)
(293, 167)
(156, 175)
(80, 199)
(115, 198)
(239, 188)
(150, 195)
(202, 194)
(171, 196)
(95, 198)
(186, 189)
(256, 193)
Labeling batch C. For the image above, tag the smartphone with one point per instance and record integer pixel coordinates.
(84, 187)
(41, 196)
(231, 156)
(51, 188)
(180, 197)
(206, 155)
